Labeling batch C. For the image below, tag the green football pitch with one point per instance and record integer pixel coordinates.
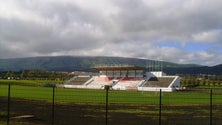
(62, 95)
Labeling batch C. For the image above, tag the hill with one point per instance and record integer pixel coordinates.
(84, 63)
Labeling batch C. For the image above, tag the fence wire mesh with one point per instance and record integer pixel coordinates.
(28, 105)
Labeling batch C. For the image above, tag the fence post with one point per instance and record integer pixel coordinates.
(53, 104)
(107, 92)
(9, 100)
(211, 107)
(160, 107)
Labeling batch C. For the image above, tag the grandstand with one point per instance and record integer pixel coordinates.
(126, 78)
(128, 83)
(78, 80)
(158, 82)
(98, 82)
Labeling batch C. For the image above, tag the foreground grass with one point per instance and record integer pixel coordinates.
(99, 96)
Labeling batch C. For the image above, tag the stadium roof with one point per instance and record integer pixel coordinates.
(113, 68)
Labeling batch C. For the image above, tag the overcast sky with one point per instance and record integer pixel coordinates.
(181, 31)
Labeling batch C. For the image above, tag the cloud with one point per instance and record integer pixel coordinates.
(214, 36)
(129, 28)
(171, 20)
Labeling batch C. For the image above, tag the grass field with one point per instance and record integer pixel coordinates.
(198, 97)
(85, 106)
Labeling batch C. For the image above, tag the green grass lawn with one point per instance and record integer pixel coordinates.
(99, 96)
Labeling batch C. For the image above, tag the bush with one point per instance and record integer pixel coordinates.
(48, 84)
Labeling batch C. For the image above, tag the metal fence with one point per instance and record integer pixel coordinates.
(25, 105)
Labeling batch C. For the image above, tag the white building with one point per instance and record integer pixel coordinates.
(126, 78)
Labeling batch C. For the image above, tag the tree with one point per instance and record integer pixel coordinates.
(22, 74)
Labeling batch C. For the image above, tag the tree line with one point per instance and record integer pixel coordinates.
(186, 80)
(201, 80)
(35, 75)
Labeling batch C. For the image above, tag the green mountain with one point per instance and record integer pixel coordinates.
(85, 63)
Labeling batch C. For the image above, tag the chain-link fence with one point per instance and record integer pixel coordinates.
(25, 105)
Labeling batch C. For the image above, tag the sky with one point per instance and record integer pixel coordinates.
(180, 31)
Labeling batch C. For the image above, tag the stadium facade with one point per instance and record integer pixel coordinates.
(125, 78)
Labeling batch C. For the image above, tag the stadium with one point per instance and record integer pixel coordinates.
(125, 77)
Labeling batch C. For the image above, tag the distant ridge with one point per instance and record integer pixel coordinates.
(85, 63)
(220, 65)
